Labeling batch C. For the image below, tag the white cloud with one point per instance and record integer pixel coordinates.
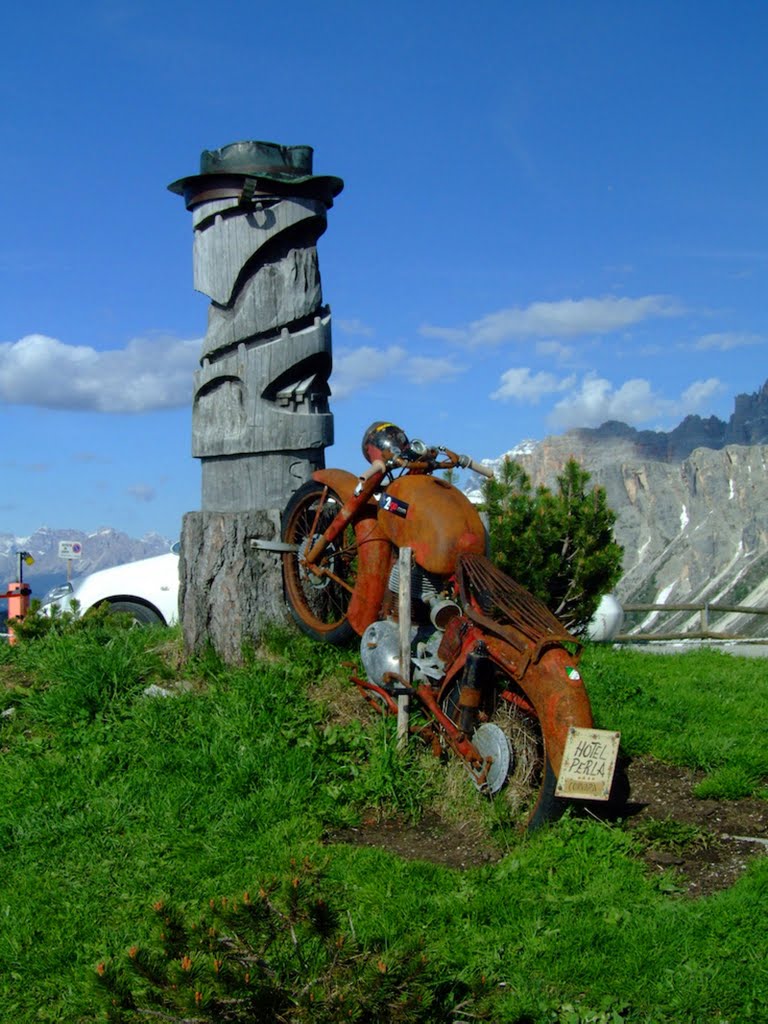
(694, 397)
(149, 373)
(89, 457)
(142, 492)
(425, 369)
(634, 402)
(356, 368)
(726, 340)
(354, 326)
(555, 350)
(29, 467)
(457, 335)
(564, 319)
(529, 387)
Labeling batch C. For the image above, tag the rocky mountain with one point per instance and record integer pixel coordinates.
(100, 550)
(691, 506)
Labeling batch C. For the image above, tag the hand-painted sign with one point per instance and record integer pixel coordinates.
(589, 761)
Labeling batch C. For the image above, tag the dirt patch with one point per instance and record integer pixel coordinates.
(432, 840)
(703, 845)
(724, 835)
(12, 679)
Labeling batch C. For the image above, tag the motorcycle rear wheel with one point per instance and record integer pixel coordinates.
(319, 602)
(528, 792)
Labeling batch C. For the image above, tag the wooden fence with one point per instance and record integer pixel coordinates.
(705, 632)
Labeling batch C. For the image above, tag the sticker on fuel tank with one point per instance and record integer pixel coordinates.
(393, 505)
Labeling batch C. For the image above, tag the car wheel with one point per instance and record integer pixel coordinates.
(140, 614)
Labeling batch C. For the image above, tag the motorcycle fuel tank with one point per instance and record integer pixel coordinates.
(434, 519)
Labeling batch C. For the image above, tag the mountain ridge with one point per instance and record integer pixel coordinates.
(691, 510)
(691, 506)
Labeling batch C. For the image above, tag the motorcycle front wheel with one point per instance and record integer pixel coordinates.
(318, 600)
(528, 792)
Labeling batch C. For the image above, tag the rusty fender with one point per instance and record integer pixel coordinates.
(553, 684)
(374, 551)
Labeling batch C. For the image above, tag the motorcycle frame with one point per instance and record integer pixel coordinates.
(551, 682)
(557, 699)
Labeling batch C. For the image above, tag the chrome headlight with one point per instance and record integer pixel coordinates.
(58, 593)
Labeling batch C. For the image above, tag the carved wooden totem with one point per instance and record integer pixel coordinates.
(260, 418)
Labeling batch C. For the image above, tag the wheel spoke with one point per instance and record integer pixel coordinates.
(318, 595)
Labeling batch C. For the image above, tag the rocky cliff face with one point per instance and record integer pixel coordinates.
(691, 506)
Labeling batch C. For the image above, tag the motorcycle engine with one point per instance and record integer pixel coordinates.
(380, 652)
(426, 587)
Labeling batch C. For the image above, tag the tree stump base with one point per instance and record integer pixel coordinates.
(229, 589)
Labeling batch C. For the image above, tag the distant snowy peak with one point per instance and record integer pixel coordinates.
(527, 447)
(474, 485)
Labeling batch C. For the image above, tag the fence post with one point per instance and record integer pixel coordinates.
(404, 618)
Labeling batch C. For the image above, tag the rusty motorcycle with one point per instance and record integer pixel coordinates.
(492, 669)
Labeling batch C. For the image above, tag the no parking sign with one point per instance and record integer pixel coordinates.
(70, 549)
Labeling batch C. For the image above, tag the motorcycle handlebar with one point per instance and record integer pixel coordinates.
(452, 459)
(466, 462)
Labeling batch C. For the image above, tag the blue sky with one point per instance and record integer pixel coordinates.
(554, 214)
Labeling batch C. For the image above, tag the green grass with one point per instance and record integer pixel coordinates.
(112, 801)
(703, 709)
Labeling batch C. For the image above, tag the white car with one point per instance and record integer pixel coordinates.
(147, 589)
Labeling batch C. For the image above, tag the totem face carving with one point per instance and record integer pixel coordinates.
(284, 379)
(261, 419)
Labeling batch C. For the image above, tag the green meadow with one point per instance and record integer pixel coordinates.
(140, 834)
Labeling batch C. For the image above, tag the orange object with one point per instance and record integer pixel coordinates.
(17, 596)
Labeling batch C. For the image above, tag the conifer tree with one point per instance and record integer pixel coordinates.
(559, 545)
